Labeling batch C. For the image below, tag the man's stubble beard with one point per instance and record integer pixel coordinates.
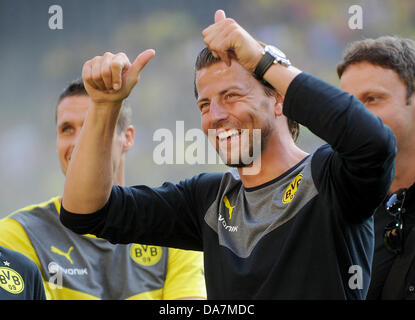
(265, 135)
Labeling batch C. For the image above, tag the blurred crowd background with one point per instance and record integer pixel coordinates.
(36, 63)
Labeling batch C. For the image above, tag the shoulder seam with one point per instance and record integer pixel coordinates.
(34, 206)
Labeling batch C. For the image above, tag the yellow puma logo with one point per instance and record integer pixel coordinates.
(65, 254)
(228, 205)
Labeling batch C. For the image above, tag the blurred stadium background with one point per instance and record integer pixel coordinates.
(37, 63)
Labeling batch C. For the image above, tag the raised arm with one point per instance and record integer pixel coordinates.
(108, 80)
(364, 147)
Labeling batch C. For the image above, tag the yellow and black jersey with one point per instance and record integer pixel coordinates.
(86, 267)
(20, 278)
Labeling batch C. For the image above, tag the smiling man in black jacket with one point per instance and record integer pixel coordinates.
(299, 228)
(381, 73)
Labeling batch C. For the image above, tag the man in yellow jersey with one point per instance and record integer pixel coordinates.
(86, 267)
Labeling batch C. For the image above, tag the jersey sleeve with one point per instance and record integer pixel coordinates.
(360, 159)
(185, 275)
(167, 216)
(14, 237)
(39, 292)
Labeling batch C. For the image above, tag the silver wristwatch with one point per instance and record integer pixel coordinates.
(278, 55)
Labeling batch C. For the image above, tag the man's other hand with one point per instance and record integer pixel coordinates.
(111, 77)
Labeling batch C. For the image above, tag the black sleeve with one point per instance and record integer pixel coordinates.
(357, 168)
(170, 215)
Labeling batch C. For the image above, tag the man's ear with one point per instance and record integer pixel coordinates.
(128, 138)
(279, 102)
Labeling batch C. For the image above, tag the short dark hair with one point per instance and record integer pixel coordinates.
(390, 52)
(205, 59)
(77, 88)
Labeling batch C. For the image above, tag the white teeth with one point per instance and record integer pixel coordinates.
(226, 134)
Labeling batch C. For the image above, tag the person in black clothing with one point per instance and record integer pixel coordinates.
(381, 73)
(20, 277)
(301, 227)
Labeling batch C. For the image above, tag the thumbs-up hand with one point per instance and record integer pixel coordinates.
(111, 77)
(228, 40)
(220, 15)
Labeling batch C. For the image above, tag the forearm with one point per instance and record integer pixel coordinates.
(364, 147)
(280, 77)
(108, 80)
(89, 176)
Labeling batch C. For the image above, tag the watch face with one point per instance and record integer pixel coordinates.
(275, 52)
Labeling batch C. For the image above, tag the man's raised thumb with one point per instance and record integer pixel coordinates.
(142, 59)
(220, 15)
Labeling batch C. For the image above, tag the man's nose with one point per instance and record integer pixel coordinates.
(217, 111)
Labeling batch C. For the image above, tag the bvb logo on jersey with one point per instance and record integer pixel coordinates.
(11, 281)
(291, 189)
(146, 255)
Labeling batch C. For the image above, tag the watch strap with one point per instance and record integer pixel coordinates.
(263, 65)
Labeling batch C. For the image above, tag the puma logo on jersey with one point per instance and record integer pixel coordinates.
(65, 254)
(228, 205)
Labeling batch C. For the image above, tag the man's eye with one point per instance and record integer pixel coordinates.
(203, 106)
(231, 95)
(67, 130)
(371, 99)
